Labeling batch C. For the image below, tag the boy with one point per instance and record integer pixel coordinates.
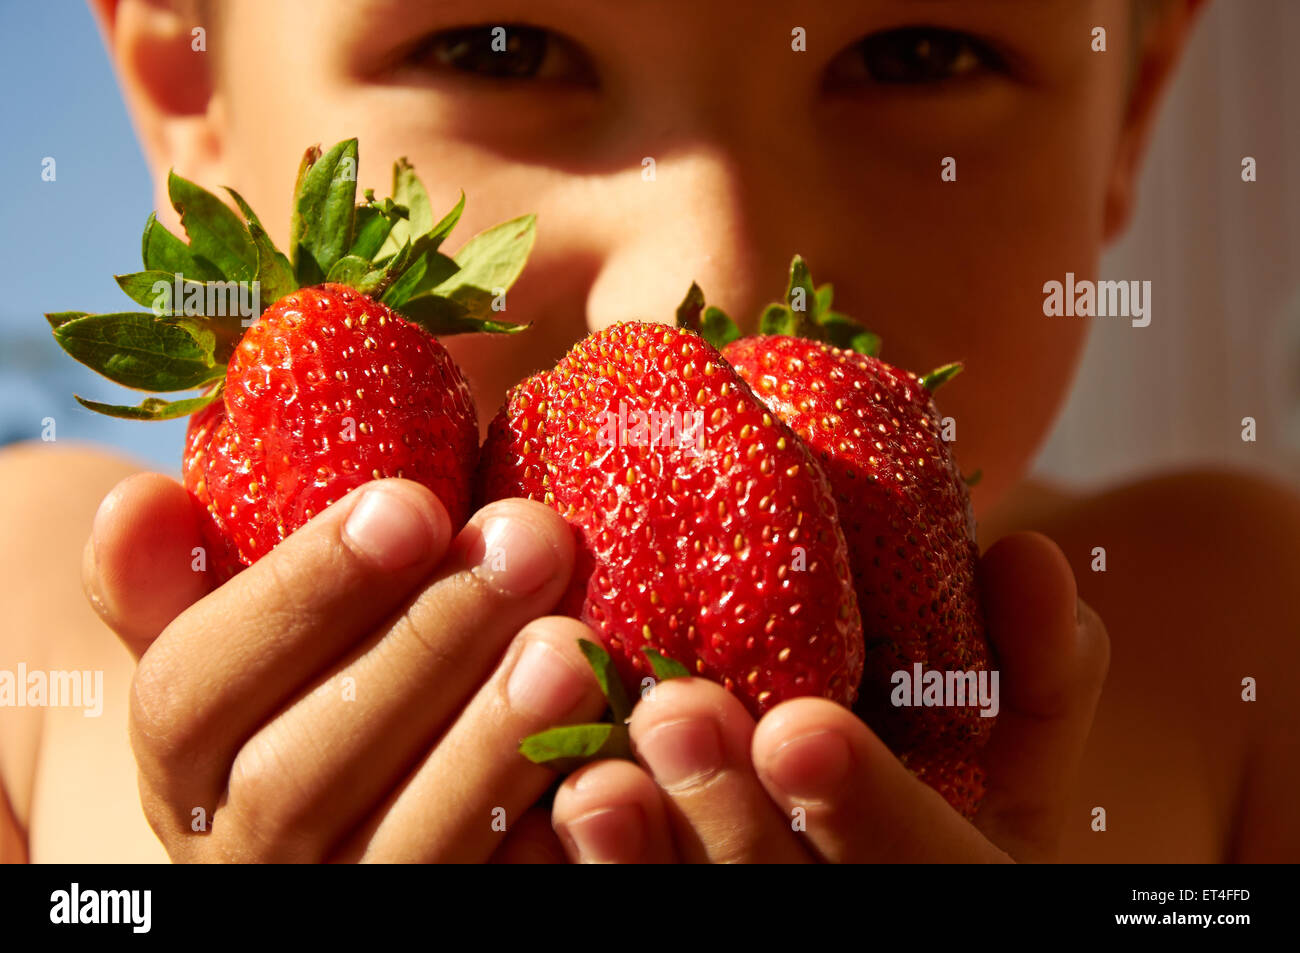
(761, 146)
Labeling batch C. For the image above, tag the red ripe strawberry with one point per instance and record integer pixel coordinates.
(707, 532)
(340, 381)
(328, 390)
(905, 513)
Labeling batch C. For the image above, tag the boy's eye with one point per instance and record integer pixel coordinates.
(913, 55)
(505, 52)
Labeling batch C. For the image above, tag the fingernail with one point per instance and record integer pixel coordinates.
(516, 560)
(543, 684)
(387, 530)
(607, 836)
(811, 767)
(684, 751)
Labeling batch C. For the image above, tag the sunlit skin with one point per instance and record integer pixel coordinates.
(759, 152)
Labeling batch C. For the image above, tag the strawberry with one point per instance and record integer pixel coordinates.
(706, 532)
(339, 380)
(904, 510)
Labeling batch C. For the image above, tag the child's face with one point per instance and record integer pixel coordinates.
(759, 152)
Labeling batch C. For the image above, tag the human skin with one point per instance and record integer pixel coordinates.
(757, 155)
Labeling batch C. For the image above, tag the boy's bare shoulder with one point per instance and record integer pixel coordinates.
(1194, 574)
(1230, 538)
(48, 497)
(61, 465)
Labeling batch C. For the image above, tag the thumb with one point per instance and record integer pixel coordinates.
(137, 567)
(1053, 654)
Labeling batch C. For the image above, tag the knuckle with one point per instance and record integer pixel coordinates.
(429, 633)
(280, 592)
(164, 722)
(263, 790)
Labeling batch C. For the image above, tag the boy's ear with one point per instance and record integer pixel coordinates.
(1162, 35)
(166, 72)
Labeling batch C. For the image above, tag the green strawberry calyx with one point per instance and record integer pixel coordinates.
(568, 747)
(805, 313)
(203, 294)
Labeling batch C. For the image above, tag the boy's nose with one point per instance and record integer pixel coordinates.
(695, 221)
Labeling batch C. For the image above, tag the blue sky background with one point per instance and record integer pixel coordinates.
(63, 241)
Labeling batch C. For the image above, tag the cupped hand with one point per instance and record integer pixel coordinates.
(811, 782)
(357, 694)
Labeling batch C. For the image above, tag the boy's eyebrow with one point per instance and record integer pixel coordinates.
(415, 16)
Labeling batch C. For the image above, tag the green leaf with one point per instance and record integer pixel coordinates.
(427, 271)
(608, 678)
(297, 224)
(801, 286)
(825, 294)
(378, 280)
(163, 251)
(477, 302)
(244, 208)
(324, 213)
(571, 746)
(940, 376)
(139, 351)
(349, 270)
(692, 306)
(489, 261)
(974, 479)
(57, 318)
(664, 667)
(274, 272)
(373, 224)
(440, 231)
(846, 333)
(156, 289)
(408, 191)
(800, 279)
(153, 408)
(778, 319)
(215, 232)
(443, 316)
(865, 342)
(718, 328)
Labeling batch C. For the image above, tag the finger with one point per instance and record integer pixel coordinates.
(1053, 654)
(475, 782)
(694, 736)
(227, 664)
(856, 800)
(611, 812)
(138, 565)
(350, 738)
(531, 841)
